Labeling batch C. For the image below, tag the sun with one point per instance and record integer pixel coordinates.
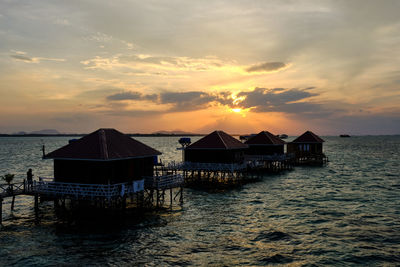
(240, 111)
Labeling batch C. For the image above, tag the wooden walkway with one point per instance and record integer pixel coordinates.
(14, 190)
(110, 194)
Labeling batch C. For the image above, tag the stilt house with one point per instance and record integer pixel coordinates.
(265, 143)
(217, 147)
(105, 156)
(307, 144)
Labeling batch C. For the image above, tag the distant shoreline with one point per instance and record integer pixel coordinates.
(152, 135)
(78, 135)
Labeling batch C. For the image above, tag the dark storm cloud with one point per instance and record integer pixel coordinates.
(267, 66)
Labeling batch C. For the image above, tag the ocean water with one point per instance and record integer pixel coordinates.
(344, 214)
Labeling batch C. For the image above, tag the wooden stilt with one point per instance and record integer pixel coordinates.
(170, 196)
(1, 211)
(158, 198)
(36, 202)
(12, 203)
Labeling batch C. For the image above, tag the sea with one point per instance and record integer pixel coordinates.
(346, 213)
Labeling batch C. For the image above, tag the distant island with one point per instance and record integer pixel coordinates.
(55, 133)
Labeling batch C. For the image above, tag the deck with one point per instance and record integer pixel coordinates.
(198, 166)
(268, 157)
(164, 181)
(111, 194)
(47, 187)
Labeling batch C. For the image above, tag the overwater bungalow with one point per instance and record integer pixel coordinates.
(217, 147)
(265, 143)
(217, 158)
(266, 152)
(307, 149)
(105, 156)
(106, 165)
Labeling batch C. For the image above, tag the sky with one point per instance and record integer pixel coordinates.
(332, 67)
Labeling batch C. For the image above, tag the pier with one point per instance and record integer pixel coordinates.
(108, 169)
(114, 196)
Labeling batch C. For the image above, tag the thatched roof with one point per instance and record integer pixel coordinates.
(308, 137)
(217, 140)
(265, 138)
(103, 144)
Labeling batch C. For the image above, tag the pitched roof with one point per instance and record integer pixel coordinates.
(265, 138)
(217, 140)
(103, 144)
(308, 137)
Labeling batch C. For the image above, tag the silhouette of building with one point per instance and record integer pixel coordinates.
(265, 143)
(105, 156)
(217, 147)
(307, 148)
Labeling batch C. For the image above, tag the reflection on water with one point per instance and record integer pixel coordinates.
(346, 213)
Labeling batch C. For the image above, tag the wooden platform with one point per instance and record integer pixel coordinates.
(97, 194)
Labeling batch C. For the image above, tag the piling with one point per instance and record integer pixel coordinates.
(36, 202)
(1, 210)
(12, 202)
(170, 196)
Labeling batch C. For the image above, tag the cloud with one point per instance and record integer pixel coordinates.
(152, 64)
(21, 56)
(185, 101)
(278, 100)
(259, 100)
(132, 95)
(129, 95)
(267, 67)
(277, 96)
(131, 112)
(176, 101)
(99, 92)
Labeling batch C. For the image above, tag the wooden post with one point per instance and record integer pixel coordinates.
(36, 202)
(181, 198)
(1, 210)
(12, 202)
(158, 198)
(170, 195)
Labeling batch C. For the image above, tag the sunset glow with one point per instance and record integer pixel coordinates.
(237, 110)
(141, 66)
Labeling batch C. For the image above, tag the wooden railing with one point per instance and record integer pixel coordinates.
(164, 181)
(268, 157)
(48, 187)
(11, 189)
(198, 166)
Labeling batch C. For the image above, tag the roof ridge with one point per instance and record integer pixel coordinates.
(222, 139)
(103, 143)
(266, 133)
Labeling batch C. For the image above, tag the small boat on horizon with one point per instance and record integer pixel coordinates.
(344, 135)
